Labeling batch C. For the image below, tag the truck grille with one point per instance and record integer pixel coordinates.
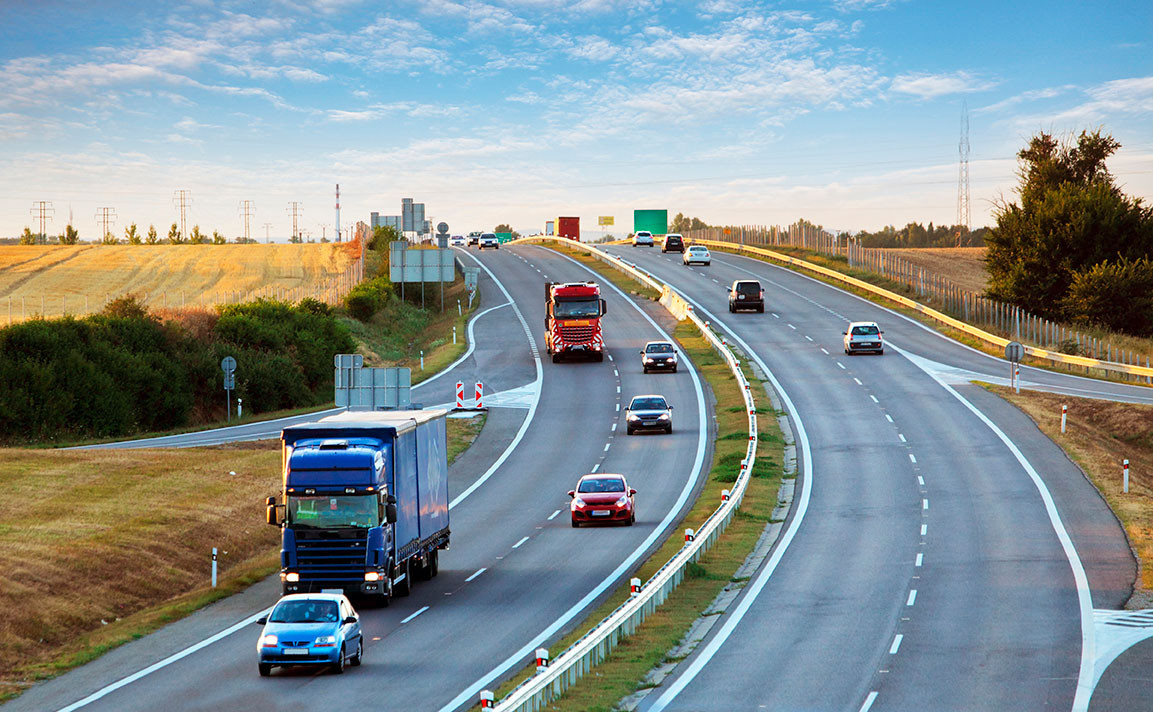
(330, 559)
(577, 334)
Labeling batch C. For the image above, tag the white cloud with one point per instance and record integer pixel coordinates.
(931, 86)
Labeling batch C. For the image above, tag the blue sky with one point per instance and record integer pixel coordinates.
(843, 112)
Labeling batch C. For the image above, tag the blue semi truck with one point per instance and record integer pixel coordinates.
(364, 507)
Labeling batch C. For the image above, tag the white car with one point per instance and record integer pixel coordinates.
(457, 241)
(697, 254)
(643, 237)
(489, 240)
(863, 336)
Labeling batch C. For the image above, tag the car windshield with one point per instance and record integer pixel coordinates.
(659, 349)
(611, 484)
(647, 404)
(583, 309)
(304, 612)
(749, 287)
(869, 330)
(333, 511)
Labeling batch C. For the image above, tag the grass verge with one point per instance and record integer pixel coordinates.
(112, 544)
(625, 670)
(1098, 436)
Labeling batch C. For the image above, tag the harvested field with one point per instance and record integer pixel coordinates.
(78, 279)
(964, 266)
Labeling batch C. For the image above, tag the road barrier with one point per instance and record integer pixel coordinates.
(999, 341)
(598, 642)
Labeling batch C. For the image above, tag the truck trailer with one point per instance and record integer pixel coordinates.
(572, 320)
(364, 505)
(569, 227)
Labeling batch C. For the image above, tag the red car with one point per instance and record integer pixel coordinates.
(602, 498)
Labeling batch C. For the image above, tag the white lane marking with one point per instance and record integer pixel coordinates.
(824, 351)
(808, 337)
(913, 458)
(920, 560)
(468, 695)
(615, 373)
(607, 447)
(1086, 679)
(896, 644)
(517, 545)
(920, 480)
(618, 389)
(874, 398)
(858, 381)
(716, 281)
(553, 515)
(924, 504)
(610, 357)
(792, 327)
(888, 417)
(902, 437)
(912, 597)
(482, 569)
(840, 364)
(618, 407)
(596, 467)
(754, 588)
(414, 615)
(924, 529)
(467, 353)
(614, 427)
(869, 701)
(776, 315)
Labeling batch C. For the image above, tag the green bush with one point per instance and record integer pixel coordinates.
(1115, 295)
(367, 298)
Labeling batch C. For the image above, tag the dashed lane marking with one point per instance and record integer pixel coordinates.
(414, 615)
(483, 569)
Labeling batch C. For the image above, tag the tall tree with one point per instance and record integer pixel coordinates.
(217, 238)
(152, 237)
(28, 237)
(174, 235)
(197, 237)
(131, 235)
(71, 236)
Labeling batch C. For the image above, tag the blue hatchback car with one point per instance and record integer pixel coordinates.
(310, 629)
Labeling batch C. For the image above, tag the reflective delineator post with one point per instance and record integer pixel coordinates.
(486, 699)
(1124, 475)
(1064, 412)
(724, 495)
(479, 391)
(541, 659)
(634, 586)
(689, 535)
(460, 394)
(214, 548)
(1016, 379)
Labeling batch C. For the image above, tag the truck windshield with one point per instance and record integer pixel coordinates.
(333, 511)
(584, 309)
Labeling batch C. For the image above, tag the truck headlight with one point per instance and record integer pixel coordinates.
(269, 641)
(325, 641)
(292, 577)
(371, 576)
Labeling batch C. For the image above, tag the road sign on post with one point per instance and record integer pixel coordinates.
(228, 365)
(1014, 352)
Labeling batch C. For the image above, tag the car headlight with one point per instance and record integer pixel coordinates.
(371, 576)
(292, 577)
(325, 641)
(664, 416)
(633, 418)
(579, 502)
(622, 501)
(647, 359)
(269, 641)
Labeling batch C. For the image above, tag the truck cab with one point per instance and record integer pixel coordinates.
(572, 320)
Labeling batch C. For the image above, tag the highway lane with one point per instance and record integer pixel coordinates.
(977, 610)
(515, 564)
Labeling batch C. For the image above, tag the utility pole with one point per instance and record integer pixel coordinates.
(294, 210)
(42, 210)
(337, 231)
(267, 227)
(964, 210)
(183, 200)
(247, 210)
(105, 216)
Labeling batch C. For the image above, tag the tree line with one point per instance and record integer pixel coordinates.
(133, 236)
(915, 234)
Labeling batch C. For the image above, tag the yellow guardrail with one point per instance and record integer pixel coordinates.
(1033, 351)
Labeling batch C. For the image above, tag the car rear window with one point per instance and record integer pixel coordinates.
(749, 287)
(602, 485)
(659, 348)
(865, 331)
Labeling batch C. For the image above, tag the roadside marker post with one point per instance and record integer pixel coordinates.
(634, 586)
(1125, 477)
(479, 391)
(689, 535)
(1064, 412)
(460, 394)
(486, 698)
(214, 564)
(541, 659)
(725, 495)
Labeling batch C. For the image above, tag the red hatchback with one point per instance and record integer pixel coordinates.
(602, 498)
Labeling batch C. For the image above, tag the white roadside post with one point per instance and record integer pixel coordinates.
(422, 359)
(1125, 477)
(541, 659)
(1064, 412)
(634, 586)
(486, 698)
(214, 563)
(239, 408)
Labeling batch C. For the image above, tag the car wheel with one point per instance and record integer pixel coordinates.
(881, 352)
(731, 310)
(576, 524)
(355, 660)
(338, 666)
(669, 430)
(629, 431)
(498, 247)
(265, 669)
(632, 520)
(761, 309)
(674, 369)
(600, 357)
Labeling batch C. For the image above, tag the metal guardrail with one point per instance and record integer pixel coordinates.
(595, 645)
(1044, 354)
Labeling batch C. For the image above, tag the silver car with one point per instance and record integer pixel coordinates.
(863, 336)
(643, 237)
(651, 412)
(697, 254)
(489, 240)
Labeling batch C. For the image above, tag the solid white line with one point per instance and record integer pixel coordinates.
(896, 644)
(924, 529)
(874, 398)
(468, 351)
(517, 545)
(840, 364)
(824, 351)
(468, 695)
(902, 437)
(553, 515)
(858, 381)
(801, 504)
(924, 504)
(913, 458)
(912, 597)
(920, 560)
(869, 701)
(920, 480)
(888, 417)
(414, 615)
(482, 569)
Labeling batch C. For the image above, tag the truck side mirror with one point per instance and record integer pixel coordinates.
(270, 501)
(604, 308)
(270, 515)
(390, 513)
(390, 499)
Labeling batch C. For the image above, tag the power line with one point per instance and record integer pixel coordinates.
(183, 199)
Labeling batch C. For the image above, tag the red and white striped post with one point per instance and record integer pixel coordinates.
(479, 391)
(541, 659)
(486, 699)
(634, 586)
(1125, 476)
(459, 394)
(1064, 412)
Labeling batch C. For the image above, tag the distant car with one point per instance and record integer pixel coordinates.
(746, 294)
(473, 238)
(673, 243)
(863, 336)
(602, 498)
(651, 412)
(318, 629)
(697, 254)
(643, 237)
(457, 241)
(658, 355)
(489, 240)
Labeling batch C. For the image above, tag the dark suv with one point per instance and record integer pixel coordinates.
(673, 243)
(746, 294)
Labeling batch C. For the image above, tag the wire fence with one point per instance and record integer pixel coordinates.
(937, 291)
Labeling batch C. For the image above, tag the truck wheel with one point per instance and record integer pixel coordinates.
(265, 669)
(434, 564)
(600, 357)
(404, 587)
(556, 358)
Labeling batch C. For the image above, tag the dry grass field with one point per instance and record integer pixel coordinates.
(79, 279)
(965, 266)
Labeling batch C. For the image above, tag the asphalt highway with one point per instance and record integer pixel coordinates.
(517, 575)
(928, 571)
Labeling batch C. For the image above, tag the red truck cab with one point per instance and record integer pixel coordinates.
(572, 320)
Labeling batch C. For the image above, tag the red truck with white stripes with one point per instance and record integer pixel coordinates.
(572, 320)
